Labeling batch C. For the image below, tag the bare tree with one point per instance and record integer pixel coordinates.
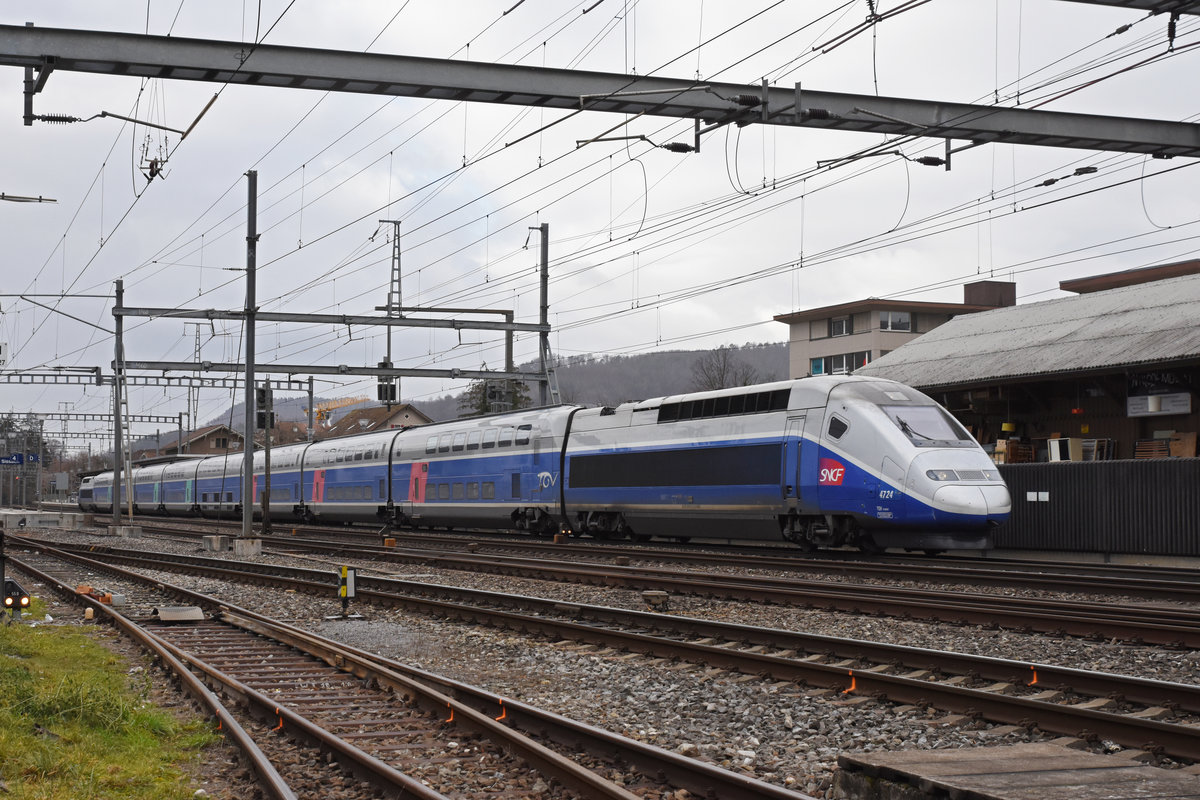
(721, 369)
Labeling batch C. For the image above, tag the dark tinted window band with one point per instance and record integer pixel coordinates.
(745, 465)
(754, 403)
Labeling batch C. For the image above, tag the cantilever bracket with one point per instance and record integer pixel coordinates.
(33, 85)
(950, 150)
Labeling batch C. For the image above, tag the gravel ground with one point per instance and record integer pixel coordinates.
(774, 731)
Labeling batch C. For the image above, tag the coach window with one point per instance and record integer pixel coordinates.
(837, 427)
(382, 489)
(472, 491)
(358, 456)
(458, 491)
(506, 437)
(489, 490)
(460, 441)
(473, 440)
(431, 444)
(443, 491)
(444, 442)
(341, 456)
(489, 438)
(430, 492)
(523, 433)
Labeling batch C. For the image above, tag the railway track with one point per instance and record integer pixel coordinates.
(1172, 626)
(1156, 716)
(1153, 583)
(403, 731)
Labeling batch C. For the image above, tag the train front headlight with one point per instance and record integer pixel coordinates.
(941, 475)
(992, 474)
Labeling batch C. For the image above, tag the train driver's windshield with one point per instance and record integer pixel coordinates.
(927, 425)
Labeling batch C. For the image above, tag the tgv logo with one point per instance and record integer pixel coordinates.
(546, 480)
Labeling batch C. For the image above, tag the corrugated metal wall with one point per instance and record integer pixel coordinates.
(1148, 506)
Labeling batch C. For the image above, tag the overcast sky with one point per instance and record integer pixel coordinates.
(649, 249)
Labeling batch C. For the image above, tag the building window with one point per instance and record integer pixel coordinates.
(895, 321)
(840, 364)
(221, 443)
(841, 326)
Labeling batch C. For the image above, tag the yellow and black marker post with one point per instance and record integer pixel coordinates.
(346, 590)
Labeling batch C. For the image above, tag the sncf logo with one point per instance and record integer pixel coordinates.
(832, 472)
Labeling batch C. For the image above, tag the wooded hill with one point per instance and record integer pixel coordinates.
(592, 380)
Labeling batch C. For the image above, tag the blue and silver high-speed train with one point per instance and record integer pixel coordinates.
(822, 461)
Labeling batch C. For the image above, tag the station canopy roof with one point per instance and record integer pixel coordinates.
(1142, 326)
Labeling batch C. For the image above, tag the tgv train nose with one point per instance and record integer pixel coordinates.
(977, 501)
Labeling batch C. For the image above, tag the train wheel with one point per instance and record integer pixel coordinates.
(868, 545)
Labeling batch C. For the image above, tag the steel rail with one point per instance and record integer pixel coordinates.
(1184, 589)
(355, 761)
(1160, 625)
(268, 778)
(698, 777)
(1156, 624)
(350, 758)
(1132, 731)
(569, 773)
(1171, 583)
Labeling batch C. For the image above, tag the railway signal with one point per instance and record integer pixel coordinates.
(16, 599)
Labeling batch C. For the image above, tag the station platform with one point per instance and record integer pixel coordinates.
(1039, 771)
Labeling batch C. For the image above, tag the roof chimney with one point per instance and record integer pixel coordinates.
(990, 293)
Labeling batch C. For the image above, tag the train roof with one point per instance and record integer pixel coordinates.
(818, 386)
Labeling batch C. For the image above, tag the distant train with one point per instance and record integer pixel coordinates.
(822, 462)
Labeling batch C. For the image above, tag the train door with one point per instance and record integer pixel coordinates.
(793, 446)
(418, 478)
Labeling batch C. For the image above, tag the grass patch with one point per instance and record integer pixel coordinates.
(75, 724)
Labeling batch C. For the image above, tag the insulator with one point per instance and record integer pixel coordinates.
(817, 113)
(678, 147)
(747, 100)
(1086, 170)
(1048, 182)
(56, 119)
(931, 161)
